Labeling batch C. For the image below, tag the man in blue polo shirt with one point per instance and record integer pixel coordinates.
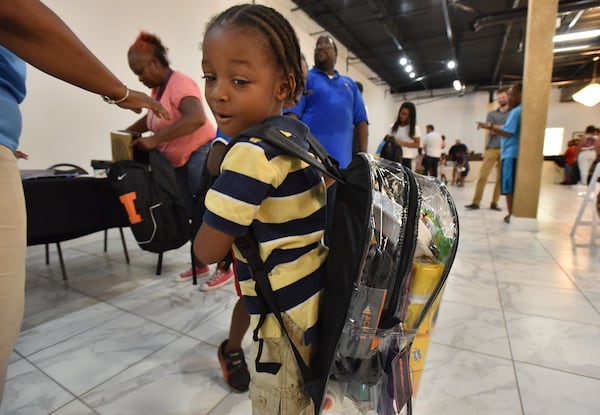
(334, 107)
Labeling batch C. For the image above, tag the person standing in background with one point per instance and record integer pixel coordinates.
(432, 147)
(586, 153)
(186, 138)
(31, 32)
(491, 156)
(406, 133)
(511, 135)
(334, 111)
(335, 108)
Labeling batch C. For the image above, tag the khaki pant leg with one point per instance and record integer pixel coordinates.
(284, 392)
(489, 159)
(13, 245)
(497, 186)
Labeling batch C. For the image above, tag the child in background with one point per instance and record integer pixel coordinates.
(230, 353)
(461, 166)
(252, 66)
(443, 168)
(223, 272)
(419, 168)
(571, 169)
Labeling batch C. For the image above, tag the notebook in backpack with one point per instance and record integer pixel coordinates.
(383, 278)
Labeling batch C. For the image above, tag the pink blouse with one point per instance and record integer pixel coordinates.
(179, 150)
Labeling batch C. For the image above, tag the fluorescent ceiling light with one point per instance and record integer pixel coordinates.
(589, 95)
(570, 48)
(567, 37)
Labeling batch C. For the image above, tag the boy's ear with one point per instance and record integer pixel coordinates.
(286, 87)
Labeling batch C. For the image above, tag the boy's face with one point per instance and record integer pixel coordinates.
(244, 85)
(514, 97)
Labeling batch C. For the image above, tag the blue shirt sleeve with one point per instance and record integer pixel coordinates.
(512, 121)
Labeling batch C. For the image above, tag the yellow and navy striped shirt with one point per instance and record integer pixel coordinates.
(281, 199)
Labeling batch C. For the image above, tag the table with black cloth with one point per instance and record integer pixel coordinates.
(63, 208)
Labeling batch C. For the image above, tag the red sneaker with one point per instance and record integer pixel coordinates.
(218, 279)
(186, 276)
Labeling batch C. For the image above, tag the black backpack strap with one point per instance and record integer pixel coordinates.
(248, 246)
(325, 163)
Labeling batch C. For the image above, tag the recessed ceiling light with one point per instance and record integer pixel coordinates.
(457, 85)
(408, 68)
(412, 74)
(451, 64)
(403, 61)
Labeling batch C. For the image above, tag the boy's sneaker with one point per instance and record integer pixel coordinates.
(218, 279)
(186, 276)
(234, 368)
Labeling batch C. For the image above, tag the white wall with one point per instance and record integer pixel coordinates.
(65, 124)
(455, 117)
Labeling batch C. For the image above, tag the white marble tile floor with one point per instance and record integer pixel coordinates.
(518, 331)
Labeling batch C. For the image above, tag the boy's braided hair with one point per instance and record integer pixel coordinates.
(278, 31)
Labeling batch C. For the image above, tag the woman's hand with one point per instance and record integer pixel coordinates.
(136, 101)
(21, 155)
(146, 143)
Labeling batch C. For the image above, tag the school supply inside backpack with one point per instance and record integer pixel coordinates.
(394, 237)
(149, 194)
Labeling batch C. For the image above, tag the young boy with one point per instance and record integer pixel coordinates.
(252, 66)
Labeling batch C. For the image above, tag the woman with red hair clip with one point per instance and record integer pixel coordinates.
(186, 138)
